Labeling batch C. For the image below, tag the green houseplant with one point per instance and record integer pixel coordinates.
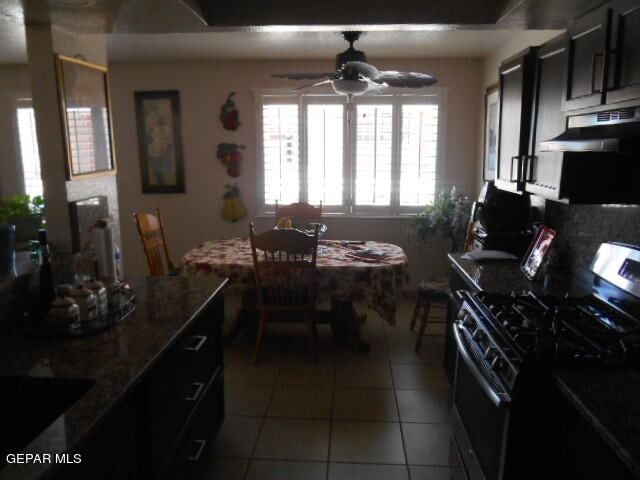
(25, 212)
(447, 218)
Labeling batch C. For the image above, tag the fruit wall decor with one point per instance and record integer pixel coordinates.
(233, 208)
(230, 156)
(229, 115)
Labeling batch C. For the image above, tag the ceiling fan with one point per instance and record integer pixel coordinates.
(354, 76)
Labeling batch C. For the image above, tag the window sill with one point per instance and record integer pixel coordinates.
(339, 217)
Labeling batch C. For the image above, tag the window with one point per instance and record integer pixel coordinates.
(29, 155)
(372, 155)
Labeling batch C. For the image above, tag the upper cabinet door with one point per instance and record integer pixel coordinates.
(588, 47)
(516, 87)
(625, 54)
(544, 169)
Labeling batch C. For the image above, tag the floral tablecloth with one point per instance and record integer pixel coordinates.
(378, 283)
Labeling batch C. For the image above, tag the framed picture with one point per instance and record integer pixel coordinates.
(491, 99)
(537, 251)
(159, 141)
(86, 117)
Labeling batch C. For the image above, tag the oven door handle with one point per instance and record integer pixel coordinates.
(499, 399)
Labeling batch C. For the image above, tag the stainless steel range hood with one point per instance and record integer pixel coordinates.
(609, 131)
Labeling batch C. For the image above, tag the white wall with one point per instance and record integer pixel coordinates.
(195, 216)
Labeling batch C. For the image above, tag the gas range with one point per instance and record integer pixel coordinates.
(504, 332)
(505, 344)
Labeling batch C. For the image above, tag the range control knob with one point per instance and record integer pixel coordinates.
(498, 364)
(490, 352)
(478, 334)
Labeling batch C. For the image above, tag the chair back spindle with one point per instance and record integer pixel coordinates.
(154, 243)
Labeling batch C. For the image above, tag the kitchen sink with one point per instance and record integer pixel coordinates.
(31, 404)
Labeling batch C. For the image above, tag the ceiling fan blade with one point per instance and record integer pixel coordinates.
(316, 84)
(302, 76)
(405, 79)
(354, 69)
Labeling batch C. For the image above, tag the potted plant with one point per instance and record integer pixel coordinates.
(447, 218)
(26, 213)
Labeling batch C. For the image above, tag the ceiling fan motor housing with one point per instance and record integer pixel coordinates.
(349, 55)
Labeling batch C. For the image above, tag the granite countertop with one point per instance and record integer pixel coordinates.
(608, 399)
(114, 359)
(505, 276)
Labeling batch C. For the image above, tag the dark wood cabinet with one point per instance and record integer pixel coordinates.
(516, 88)
(543, 172)
(603, 64)
(180, 387)
(588, 49)
(160, 428)
(624, 70)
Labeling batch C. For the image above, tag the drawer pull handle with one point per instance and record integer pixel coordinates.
(199, 386)
(201, 444)
(201, 340)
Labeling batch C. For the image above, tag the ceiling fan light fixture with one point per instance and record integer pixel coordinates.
(349, 87)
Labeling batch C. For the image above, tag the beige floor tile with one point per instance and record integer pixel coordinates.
(290, 345)
(419, 376)
(366, 442)
(435, 473)
(360, 471)
(426, 443)
(377, 353)
(285, 470)
(226, 468)
(237, 437)
(365, 404)
(246, 373)
(424, 406)
(401, 346)
(363, 375)
(306, 375)
(301, 402)
(293, 439)
(249, 400)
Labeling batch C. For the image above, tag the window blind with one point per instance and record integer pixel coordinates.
(325, 154)
(418, 154)
(281, 161)
(374, 128)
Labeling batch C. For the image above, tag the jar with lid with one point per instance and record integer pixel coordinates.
(100, 292)
(64, 311)
(86, 300)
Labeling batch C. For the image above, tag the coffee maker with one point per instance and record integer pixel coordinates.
(501, 220)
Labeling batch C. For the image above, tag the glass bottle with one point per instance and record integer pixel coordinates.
(47, 285)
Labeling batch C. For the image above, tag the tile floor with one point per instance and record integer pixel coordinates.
(352, 416)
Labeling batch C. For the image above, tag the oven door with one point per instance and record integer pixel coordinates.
(483, 408)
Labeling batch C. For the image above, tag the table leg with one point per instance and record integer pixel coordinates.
(344, 324)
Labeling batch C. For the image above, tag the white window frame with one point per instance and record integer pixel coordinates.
(395, 96)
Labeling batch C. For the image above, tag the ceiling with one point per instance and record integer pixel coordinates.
(169, 30)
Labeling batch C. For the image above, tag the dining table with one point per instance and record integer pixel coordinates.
(367, 272)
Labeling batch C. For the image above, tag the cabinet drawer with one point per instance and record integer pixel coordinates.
(178, 384)
(199, 432)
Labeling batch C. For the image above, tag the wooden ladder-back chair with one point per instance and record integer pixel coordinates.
(284, 265)
(299, 211)
(154, 243)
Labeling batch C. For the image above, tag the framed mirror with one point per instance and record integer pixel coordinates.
(86, 117)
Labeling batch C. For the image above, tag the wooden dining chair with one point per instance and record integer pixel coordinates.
(284, 265)
(298, 212)
(154, 243)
